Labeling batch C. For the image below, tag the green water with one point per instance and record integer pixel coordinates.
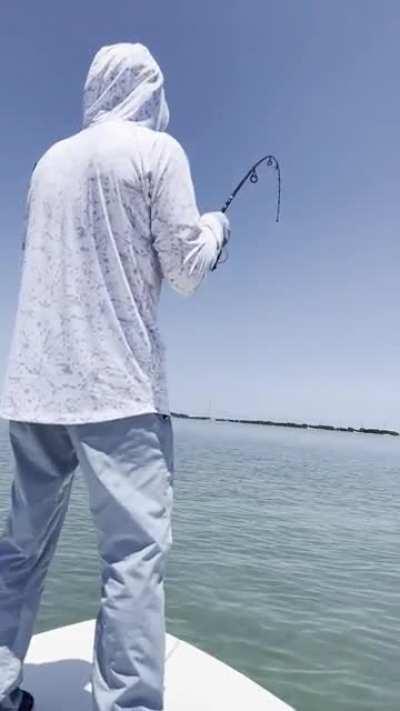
(286, 562)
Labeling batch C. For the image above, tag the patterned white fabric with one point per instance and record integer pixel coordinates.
(111, 211)
(125, 82)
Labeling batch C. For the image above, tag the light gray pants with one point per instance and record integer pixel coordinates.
(128, 466)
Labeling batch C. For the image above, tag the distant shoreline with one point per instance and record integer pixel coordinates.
(294, 425)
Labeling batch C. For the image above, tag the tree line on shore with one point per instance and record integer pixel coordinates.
(297, 425)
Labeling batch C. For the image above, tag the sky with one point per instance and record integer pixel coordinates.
(301, 323)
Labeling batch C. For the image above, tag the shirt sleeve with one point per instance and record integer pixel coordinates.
(187, 244)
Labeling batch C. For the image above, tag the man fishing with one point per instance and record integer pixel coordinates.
(111, 213)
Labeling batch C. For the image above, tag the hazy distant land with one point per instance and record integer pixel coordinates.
(297, 425)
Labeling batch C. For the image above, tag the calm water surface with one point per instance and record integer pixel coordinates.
(286, 562)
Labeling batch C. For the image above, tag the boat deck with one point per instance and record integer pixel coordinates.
(58, 672)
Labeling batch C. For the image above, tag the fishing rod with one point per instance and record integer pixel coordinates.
(252, 176)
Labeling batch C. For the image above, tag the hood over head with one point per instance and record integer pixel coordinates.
(125, 82)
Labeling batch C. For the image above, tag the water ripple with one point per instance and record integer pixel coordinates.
(286, 560)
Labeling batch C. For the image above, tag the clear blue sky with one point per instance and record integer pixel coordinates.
(302, 322)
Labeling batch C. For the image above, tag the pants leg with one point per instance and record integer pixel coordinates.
(128, 465)
(44, 466)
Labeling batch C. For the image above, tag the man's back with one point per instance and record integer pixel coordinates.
(111, 210)
(91, 282)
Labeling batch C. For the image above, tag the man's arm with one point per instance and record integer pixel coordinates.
(187, 245)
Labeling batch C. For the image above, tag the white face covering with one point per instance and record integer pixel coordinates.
(125, 82)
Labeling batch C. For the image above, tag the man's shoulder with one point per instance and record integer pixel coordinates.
(168, 146)
(53, 153)
(169, 141)
(158, 145)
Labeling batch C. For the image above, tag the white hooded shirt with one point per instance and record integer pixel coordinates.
(111, 212)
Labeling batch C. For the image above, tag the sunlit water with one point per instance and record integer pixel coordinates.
(286, 562)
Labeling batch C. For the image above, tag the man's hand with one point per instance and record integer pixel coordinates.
(218, 224)
(225, 225)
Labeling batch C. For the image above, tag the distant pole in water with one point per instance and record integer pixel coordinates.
(252, 175)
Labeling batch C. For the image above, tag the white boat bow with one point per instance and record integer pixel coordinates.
(58, 669)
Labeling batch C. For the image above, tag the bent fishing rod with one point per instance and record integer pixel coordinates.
(253, 177)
